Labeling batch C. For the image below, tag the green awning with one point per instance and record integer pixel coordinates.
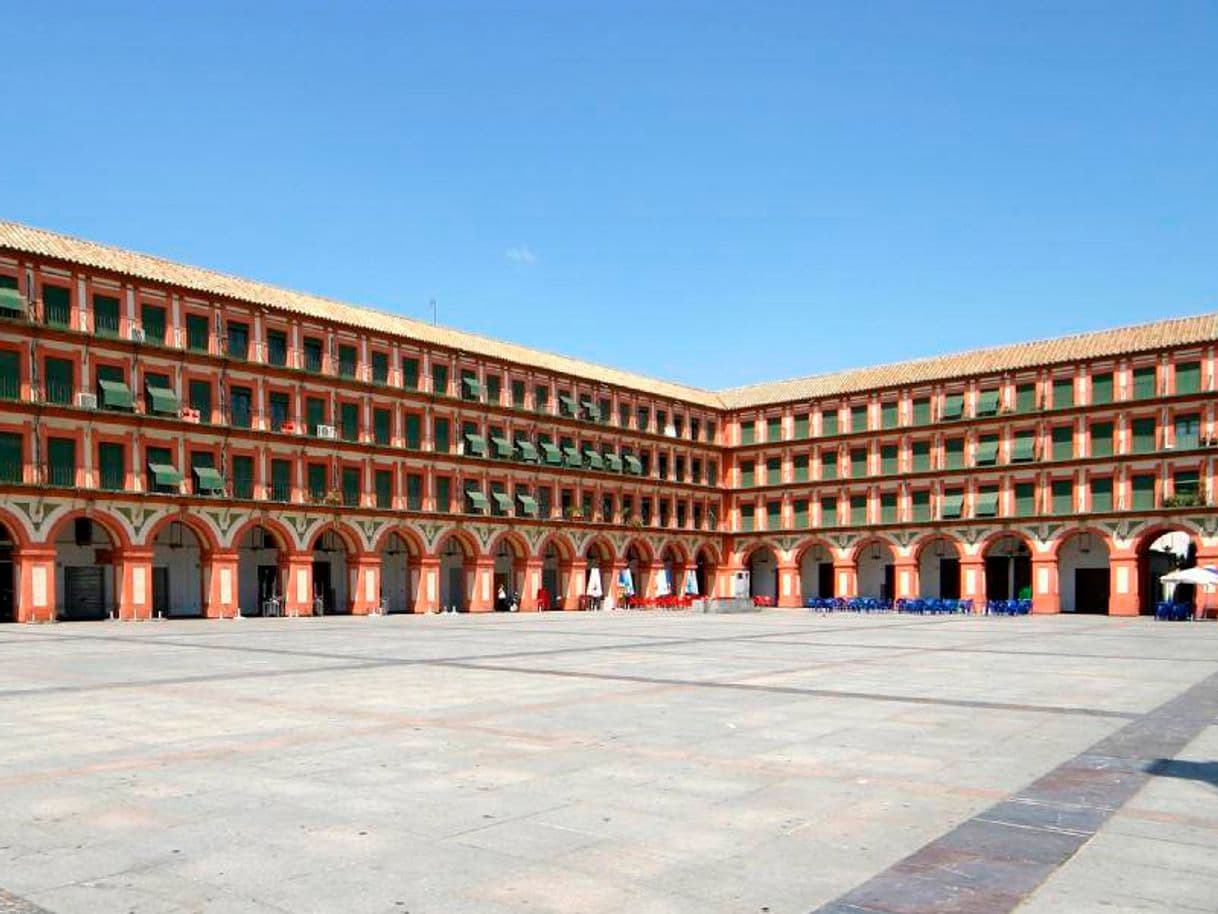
(504, 449)
(987, 403)
(12, 302)
(568, 404)
(553, 454)
(471, 388)
(590, 408)
(164, 401)
(613, 462)
(953, 406)
(573, 458)
(475, 445)
(115, 395)
(478, 500)
(503, 501)
(634, 466)
(527, 451)
(953, 505)
(987, 504)
(208, 480)
(528, 505)
(165, 475)
(987, 453)
(1024, 449)
(595, 460)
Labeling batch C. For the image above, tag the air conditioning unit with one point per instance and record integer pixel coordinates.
(670, 431)
(86, 400)
(137, 334)
(327, 431)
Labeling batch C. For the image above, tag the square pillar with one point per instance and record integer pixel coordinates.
(1045, 595)
(905, 577)
(972, 581)
(428, 593)
(220, 587)
(845, 578)
(366, 584)
(35, 584)
(482, 595)
(533, 567)
(1124, 587)
(296, 573)
(788, 585)
(133, 572)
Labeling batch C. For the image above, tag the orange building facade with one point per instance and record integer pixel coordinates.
(178, 442)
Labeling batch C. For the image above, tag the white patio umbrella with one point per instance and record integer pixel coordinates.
(625, 580)
(691, 583)
(594, 583)
(1202, 577)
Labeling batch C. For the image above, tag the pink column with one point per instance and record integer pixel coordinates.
(296, 573)
(220, 598)
(482, 598)
(972, 581)
(366, 596)
(1045, 595)
(133, 574)
(35, 573)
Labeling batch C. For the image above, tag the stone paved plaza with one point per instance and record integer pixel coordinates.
(613, 762)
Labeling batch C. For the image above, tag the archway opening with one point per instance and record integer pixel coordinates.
(331, 590)
(8, 576)
(939, 570)
(1158, 554)
(640, 569)
(598, 566)
(555, 570)
(875, 571)
(399, 574)
(259, 583)
(1008, 569)
(705, 569)
(509, 573)
(455, 566)
(85, 580)
(816, 578)
(672, 567)
(1082, 574)
(763, 573)
(177, 572)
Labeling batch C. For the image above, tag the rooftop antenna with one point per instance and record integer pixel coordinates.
(433, 311)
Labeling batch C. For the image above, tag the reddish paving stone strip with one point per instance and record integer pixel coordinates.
(11, 904)
(991, 863)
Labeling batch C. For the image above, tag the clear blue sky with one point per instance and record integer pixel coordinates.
(711, 192)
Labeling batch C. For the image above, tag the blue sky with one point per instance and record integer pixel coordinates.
(716, 193)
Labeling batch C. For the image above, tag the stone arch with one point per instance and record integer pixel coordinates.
(1083, 571)
(642, 547)
(335, 546)
(937, 556)
(401, 553)
(208, 539)
(706, 568)
(16, 528)
(638, 558)
(557, 554)
(673, 562)
(457, 551)
(113, 526)
(88, 566)
(875, 561)
(352, 541)
(1160, 548)
(10, 542)
(180, 552)
(408, 535)
(285, 539)
(1007, 555)
(509, 552)
(761, 560)
(814, 562)
(262, 545)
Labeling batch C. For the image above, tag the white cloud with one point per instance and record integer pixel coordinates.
(521, 254)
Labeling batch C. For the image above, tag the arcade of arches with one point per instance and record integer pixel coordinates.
(88, 567)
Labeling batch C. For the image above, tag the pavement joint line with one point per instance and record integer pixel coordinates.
(1084, 786)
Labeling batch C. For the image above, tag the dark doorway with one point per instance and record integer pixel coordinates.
(889, 582)
(322, 588)
(1091, 590)
(825, 579)
(949, 579)
(84, 599)
(160, 591)
(8, 601)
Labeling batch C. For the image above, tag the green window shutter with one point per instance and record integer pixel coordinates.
(410, 373)
(888, 507)
(858, 510)
(888, 415)
(414, 432)
(953, 453)
(1063, 496)
(112, 466)
(160, 399)
(207, 479)
(800, 466)
(828, 422)
(921, 411)
(1025, 398)
(316, 475)
(347, 359)
(60, 380)
(1101, 388)
(987, 451)
(380, 368)
(349, 416)
(802, 426)
(953, 407)
(1188, 378)
(312, 354)
(384, 488)
(1101, 439)
(240, 408)
(238, 340)
(773, 428)
(746, 518)
(747, 474)
(987, 502)
(1186, 483)
(439, 380)
(858, 418)
(1025, 499)
(1144, 383)
(888, 459)
(243, 476)
(152, 322)
(518, 388)
(748, 432)
(444, 495)
(952, 504)
(61, 455)
(12, 460)
(470, 388)
(198, 329)
(381, 432)
(1188, 431)
(277, 348)
(920, 503)
(113, 394)
(987, 403)
(105, 315)
(281, 480)
(475, 445)
(828, 464)
(1023, 449)
(828, 511)
(57, 305)
(10, 374)
(1063, 393)
(858, 462)
(773, 515)
(315, 413)
(1143, 436)
(921, 456)
(414, 492)
(773, 471)
(1101, 495)
(1143, 492)
(1063, 442)
(351, 486)
(200, 399)
(800, 506)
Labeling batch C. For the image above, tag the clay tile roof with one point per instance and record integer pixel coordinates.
(26, 239)
(1169, 333)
